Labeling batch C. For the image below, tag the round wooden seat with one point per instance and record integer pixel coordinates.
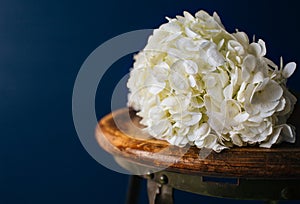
(274, 172)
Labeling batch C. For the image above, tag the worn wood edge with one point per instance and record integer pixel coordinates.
(215, 164)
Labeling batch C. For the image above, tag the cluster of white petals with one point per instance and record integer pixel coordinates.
(195, 83)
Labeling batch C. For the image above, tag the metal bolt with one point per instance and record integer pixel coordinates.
(149, 175)
(163, 179)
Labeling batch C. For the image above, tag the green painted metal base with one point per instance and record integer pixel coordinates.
(247, 189)
(270, 190)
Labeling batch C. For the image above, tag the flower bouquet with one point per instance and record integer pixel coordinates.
(195, 83)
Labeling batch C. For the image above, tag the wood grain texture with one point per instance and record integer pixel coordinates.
(120, 134)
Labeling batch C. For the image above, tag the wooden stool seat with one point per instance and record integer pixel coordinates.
(252, 172)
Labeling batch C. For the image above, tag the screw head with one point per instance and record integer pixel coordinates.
(163, 179)
(149, 175)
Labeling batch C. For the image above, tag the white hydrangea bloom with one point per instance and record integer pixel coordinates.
(195, 83)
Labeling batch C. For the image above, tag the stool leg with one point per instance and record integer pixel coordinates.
(153, 190)
(159, 194)
(133, 189)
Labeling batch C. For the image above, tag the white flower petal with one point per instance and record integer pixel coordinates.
(273, 138)
(218, 148)
(265, 114)
(192, 118)
(156, 113)
(188, 16)
(177, 82)
(172, 27)
(192, 81)
(256, 119)
(288, 134)
(190, 33)
(263, 47)
(214, 57)
(159, 128)
(178, 141)
(169, 102)
(267, 91)
(186, 44)
(241, 92)
(256, 49)
(155, 88)
(236, 140)
(190, 67)
(235, 46)
(281, 105)
(248, 67)
(220, 44)
(230, 109)
(289, 69)
(242, 38)
(258, 77)
(217, 19)
(228, 91)
(204, 129)
(211, 142)
(161, 71)
(192, 136)
(241, 117)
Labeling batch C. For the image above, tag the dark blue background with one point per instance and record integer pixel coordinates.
(42, 46)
